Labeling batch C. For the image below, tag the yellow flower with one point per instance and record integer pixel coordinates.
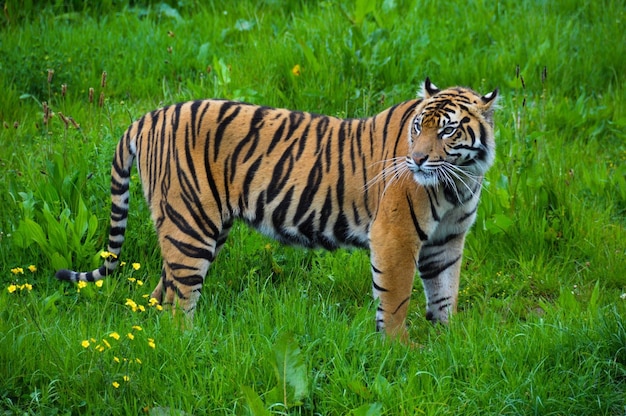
(151, 343)
(105, 342)
(153, 302)
(85, 344)
(116, 384)
(12, 288)
(137, 360)
(17, 270)
(137, 328)
(136, 266)
(296, 70)
(99, 348)
(131, 279)
(32, 268)
(141, 308)
(107, 255)
(159, 307)
(117, 360)
(126, 378)
(99, 283)
(132, 304)
(139, 282)
(130, 336)
(26, 286)
(81, 285)
(114, 335)
(122, 264)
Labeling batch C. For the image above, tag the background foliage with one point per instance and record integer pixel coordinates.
(285, 330)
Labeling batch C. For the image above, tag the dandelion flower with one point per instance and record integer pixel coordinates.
(32, 268)
(153, 302)
(12, 288)
(116, 384)
(159, 307)
(85, 344)
(139, 282)
(296, 70)
(130, 336)
(81, 285)
(108, 255)
(137, 328)
(151, 343)
(141, 308)
(27, 286)
(132, 304)
(114, 335)
(99, 283)
(136, 266)
(17, 270)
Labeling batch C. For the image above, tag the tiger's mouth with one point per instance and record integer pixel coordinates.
(425, 177)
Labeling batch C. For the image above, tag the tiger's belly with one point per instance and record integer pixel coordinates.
(315, 229)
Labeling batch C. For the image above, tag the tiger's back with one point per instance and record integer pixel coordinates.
(310, 180)
(297, 177)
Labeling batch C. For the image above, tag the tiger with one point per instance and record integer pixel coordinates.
(404, 184)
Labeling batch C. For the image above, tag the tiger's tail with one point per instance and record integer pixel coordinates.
(120, 180)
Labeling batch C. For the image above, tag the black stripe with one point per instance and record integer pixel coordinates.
(401, 304)
(190, 250)
(422, 235)
(223, 123)
(379, 288)
(434, 269)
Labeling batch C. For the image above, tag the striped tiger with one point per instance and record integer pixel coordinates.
(314, 181)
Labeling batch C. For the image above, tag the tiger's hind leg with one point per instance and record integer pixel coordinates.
(186, 261)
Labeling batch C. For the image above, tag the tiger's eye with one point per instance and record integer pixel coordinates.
(448, 131)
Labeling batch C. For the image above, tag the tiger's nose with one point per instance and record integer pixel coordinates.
(419, 158)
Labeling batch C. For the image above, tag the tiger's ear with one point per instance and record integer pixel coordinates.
(428, 89)
(491, 98)
(489, 104)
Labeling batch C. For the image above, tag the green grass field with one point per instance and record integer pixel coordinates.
(282, 330)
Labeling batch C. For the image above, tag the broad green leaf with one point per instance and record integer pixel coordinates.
(370, 409)
(291, 369)
(254, 402)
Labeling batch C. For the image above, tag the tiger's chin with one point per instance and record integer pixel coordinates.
(425, 178)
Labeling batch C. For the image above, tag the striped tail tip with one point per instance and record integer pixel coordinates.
(65, 275)
(72, 276)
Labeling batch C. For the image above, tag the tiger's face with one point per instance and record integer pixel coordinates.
(451, 137)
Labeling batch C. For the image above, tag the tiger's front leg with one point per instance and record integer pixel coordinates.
(393, 256)
(440, 266)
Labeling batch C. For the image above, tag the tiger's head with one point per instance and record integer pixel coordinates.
(451, 137)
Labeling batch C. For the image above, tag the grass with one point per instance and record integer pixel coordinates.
(285, 330)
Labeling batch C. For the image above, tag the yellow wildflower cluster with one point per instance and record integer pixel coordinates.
(14, 287)
(113, 342)
(135, 307)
